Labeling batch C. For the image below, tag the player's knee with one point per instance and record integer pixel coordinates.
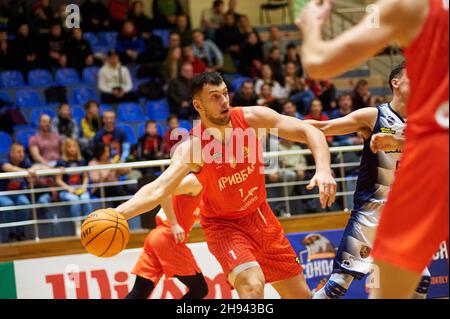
(252, 288)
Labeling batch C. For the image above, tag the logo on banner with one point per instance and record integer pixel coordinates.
(318, 247)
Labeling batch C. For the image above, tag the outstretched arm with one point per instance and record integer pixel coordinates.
(362, 120)
(293, 129)
(149, 196)
(385, 23)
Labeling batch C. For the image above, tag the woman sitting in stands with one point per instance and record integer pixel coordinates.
(102, 157)
(74, 184)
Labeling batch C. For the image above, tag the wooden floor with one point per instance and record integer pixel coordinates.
(72, 245)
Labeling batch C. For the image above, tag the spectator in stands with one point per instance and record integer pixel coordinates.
(91, 123)
(245, 28)
(232, 5)
(179, 93)
(165, 13)
(228, 38)
(6, 54)
(325, 91)
(290, 74)
(171, 68)
(45, 146)
(174, 40)
(276, 39)
(16, 162)
(278, 91)
(301, 95)
(75, 184)
(208, 51)
(345, 107)
(212, 19)
(144, 25)
(79, 51)
(114, 81)
(199, 66)
(154, 50)
(183, 29)
(118, 10)
(361, 95)
(172, 136)
(114, 137)
(64, 124)
(102, 156)
(293, 56)
(95, 16)
(290, 109)
(246, 95)
(54, 48)
(267, 99)
(276, 64)
(316, 113)
(25, 48)
(150, 144)
(129, 44)
(251, 57)
(42, 16)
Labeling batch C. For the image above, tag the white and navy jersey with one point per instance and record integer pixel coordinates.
(376, 173)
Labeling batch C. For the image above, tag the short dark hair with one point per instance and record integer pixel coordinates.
(396, 73)
(99, 149)
(217, 3)
(171, 117)
(346, 93)
(203, 79)
(149, 122)
(88, 104)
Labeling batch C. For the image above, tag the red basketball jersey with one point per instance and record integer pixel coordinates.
(232, 174)
(427, 69)
(186, 208)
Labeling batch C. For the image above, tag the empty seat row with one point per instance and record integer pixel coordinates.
(43, 77)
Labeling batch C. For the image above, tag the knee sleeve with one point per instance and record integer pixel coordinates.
(142, 289)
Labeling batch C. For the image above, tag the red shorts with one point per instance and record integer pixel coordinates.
(162, 255)
(415, 219)
(257, 237)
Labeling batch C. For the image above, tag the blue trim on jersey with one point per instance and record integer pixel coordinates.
(396, 114)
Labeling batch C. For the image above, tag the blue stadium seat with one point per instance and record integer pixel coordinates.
(105, 107)
(5, 97)
(130, 112)
(28, 98)
(89, 75)
(185, 124)
(159, 128)
(157, 110)
(24, 135)
(237, 82)
(36, 114)
(129, 131)
(164, 34)
(83, 94)
(78, 113)
(91, 38)
(10, 79)
(67, 76)
(108, 39)
(40, 77)
(5, 142)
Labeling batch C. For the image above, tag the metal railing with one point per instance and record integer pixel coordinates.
(284, 184)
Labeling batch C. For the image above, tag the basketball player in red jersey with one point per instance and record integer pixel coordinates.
(225, 154)
(165, 251)
(415, 219)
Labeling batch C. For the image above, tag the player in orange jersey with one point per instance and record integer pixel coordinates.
(225, 153)
(165, 251)
(415, 219)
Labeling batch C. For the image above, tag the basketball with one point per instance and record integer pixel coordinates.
(105, 233)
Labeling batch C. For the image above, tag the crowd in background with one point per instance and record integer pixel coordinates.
(36, 37)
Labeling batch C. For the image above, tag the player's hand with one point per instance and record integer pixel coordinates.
(315, 13)
(178, 233)
(384, 142)
(327, 187)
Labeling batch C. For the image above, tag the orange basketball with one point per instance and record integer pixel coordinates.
(105, 233)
